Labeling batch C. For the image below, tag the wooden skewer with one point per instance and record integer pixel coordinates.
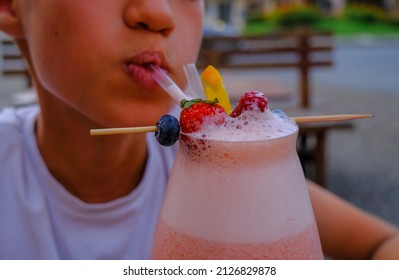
(122, 130)
(305, 119)
(330, 118)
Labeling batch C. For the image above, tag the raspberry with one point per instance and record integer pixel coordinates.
(250, 101)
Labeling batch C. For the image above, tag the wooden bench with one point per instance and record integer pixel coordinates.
(300, 51)
(13, 64)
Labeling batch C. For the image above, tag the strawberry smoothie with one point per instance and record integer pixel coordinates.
(237, 191)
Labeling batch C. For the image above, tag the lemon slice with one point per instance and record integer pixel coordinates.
(214, 87)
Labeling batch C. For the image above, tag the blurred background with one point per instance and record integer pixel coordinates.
(362, 164)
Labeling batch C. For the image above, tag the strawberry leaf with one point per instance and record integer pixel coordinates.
(185, 104)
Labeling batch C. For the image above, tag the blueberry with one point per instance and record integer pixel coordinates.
(168, 130)
(280, 113)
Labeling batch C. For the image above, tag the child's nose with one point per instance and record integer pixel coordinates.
(154, 15)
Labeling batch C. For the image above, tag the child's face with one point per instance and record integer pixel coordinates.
(92, 54)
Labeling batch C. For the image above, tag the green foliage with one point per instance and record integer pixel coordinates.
(296, 16)
(366, 14)
(357, 19)
(256, 17)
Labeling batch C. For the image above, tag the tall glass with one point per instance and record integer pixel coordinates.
(237, 200)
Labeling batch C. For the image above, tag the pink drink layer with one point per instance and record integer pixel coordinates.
(171, 244)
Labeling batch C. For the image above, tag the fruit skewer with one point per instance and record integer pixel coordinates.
(303, 119)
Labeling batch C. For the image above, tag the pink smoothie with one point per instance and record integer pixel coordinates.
(237, 191)
(171, 244)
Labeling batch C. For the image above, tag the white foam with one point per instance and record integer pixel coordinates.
(249, 126)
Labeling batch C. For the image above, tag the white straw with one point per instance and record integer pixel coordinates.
(194, 80)
(167, 84)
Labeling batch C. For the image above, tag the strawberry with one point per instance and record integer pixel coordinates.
(195, 112)
(253, 100)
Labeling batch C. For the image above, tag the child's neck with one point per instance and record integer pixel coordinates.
(94, 169)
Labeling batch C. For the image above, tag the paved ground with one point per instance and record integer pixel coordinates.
(363, 164)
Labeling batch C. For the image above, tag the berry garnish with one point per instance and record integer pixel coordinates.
(168, 130)
(250, 101)
(195, 112)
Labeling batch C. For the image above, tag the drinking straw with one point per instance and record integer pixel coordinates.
(194, 80)
(167, 84)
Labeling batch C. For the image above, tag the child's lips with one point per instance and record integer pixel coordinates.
(137, 68)
(141, 74)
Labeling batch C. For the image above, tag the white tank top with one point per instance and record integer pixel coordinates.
(39, 219)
